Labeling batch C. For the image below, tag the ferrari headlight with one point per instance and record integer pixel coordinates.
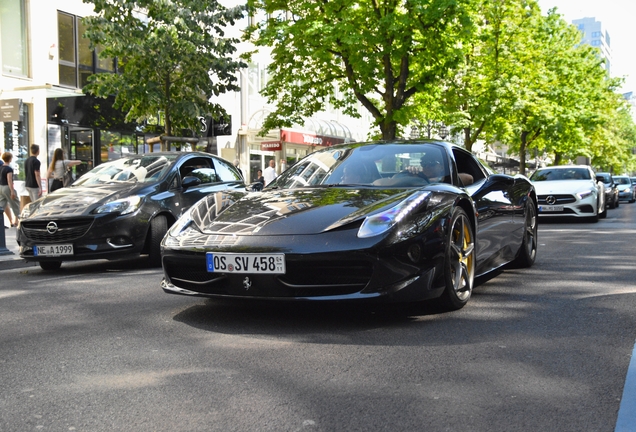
(382, 222)
(122, 206)
(585, 194)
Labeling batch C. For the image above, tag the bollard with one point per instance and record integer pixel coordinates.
(3, 240)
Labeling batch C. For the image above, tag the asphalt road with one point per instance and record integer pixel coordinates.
(99, 347)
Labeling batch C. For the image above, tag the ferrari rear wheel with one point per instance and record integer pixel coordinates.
(528, 250)
(459, 262)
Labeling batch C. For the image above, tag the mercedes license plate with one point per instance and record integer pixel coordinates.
(245, 263)
(551, 208)
(53, 250)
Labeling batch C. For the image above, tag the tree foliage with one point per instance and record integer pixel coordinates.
(495, 70)
(172, 57)
(376, 53)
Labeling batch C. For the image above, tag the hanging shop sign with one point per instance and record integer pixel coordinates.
(309, 138)
(271, 146)
(10, 110)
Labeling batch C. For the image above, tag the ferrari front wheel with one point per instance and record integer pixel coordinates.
(459, 261)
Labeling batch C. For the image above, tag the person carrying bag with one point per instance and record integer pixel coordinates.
(60, 171)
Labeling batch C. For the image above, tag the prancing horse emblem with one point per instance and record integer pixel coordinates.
(247, 283)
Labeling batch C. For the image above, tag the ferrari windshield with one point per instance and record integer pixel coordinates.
(369, 165)
(133, 169)
(552, 174)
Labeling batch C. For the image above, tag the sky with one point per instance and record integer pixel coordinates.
(618, 18)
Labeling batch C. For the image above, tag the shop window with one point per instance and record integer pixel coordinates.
(116, 145)
(15, 136)
(13, 34)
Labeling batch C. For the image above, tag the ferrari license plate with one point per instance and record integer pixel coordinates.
(53, 250)
(551, 208)
(245, 263)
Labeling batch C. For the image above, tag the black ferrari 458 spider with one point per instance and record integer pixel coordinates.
(397, 221)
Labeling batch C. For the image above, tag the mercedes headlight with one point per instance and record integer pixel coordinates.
(122, 206)
(585, 194)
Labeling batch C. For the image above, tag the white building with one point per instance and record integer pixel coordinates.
(595, 35)
(45, 63)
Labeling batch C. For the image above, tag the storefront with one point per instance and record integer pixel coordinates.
(286, 147)
(15, 133)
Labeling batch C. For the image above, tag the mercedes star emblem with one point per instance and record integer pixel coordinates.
(551, 199)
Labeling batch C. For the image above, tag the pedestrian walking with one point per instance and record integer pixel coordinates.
(8, 196)
(33, 180)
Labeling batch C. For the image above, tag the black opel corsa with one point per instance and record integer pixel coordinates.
(120, 208)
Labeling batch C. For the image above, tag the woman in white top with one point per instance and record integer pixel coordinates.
(57, 167)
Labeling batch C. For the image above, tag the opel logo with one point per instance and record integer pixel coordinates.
(551, 199)
(51, 227)
(247, 283)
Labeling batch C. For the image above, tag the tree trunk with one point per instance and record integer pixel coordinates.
(468, 142)
(522, 153)
(389, 130)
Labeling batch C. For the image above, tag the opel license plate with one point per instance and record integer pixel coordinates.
(53, 250)
(245, 263)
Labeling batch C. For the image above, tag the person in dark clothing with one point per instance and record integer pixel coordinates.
(33, 180)
(8, 196)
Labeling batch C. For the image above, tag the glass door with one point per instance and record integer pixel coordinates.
(81, 146)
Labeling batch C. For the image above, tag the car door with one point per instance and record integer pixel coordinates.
(491, 194)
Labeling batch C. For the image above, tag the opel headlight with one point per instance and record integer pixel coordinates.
(122, 206)
(27, 210)
(382, 222)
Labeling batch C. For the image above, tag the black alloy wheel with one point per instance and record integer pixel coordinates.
(459, 262)
(528, 251)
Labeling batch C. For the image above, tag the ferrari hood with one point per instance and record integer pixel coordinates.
(78, 200)
(290, 212)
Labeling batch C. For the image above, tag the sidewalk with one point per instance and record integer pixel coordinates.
(10, 255)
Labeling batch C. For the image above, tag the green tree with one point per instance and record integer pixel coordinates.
(561, 87)
(376, 53)
(172, 57)
(483, 88)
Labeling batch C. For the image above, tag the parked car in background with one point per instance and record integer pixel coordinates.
(625, 188)
(569, 191)
(611, 189)
(120, 208)
(394, 221)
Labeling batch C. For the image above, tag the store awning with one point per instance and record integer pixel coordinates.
(294, 136)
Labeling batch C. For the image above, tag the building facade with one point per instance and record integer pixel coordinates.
(596, 35)
(46, 62)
